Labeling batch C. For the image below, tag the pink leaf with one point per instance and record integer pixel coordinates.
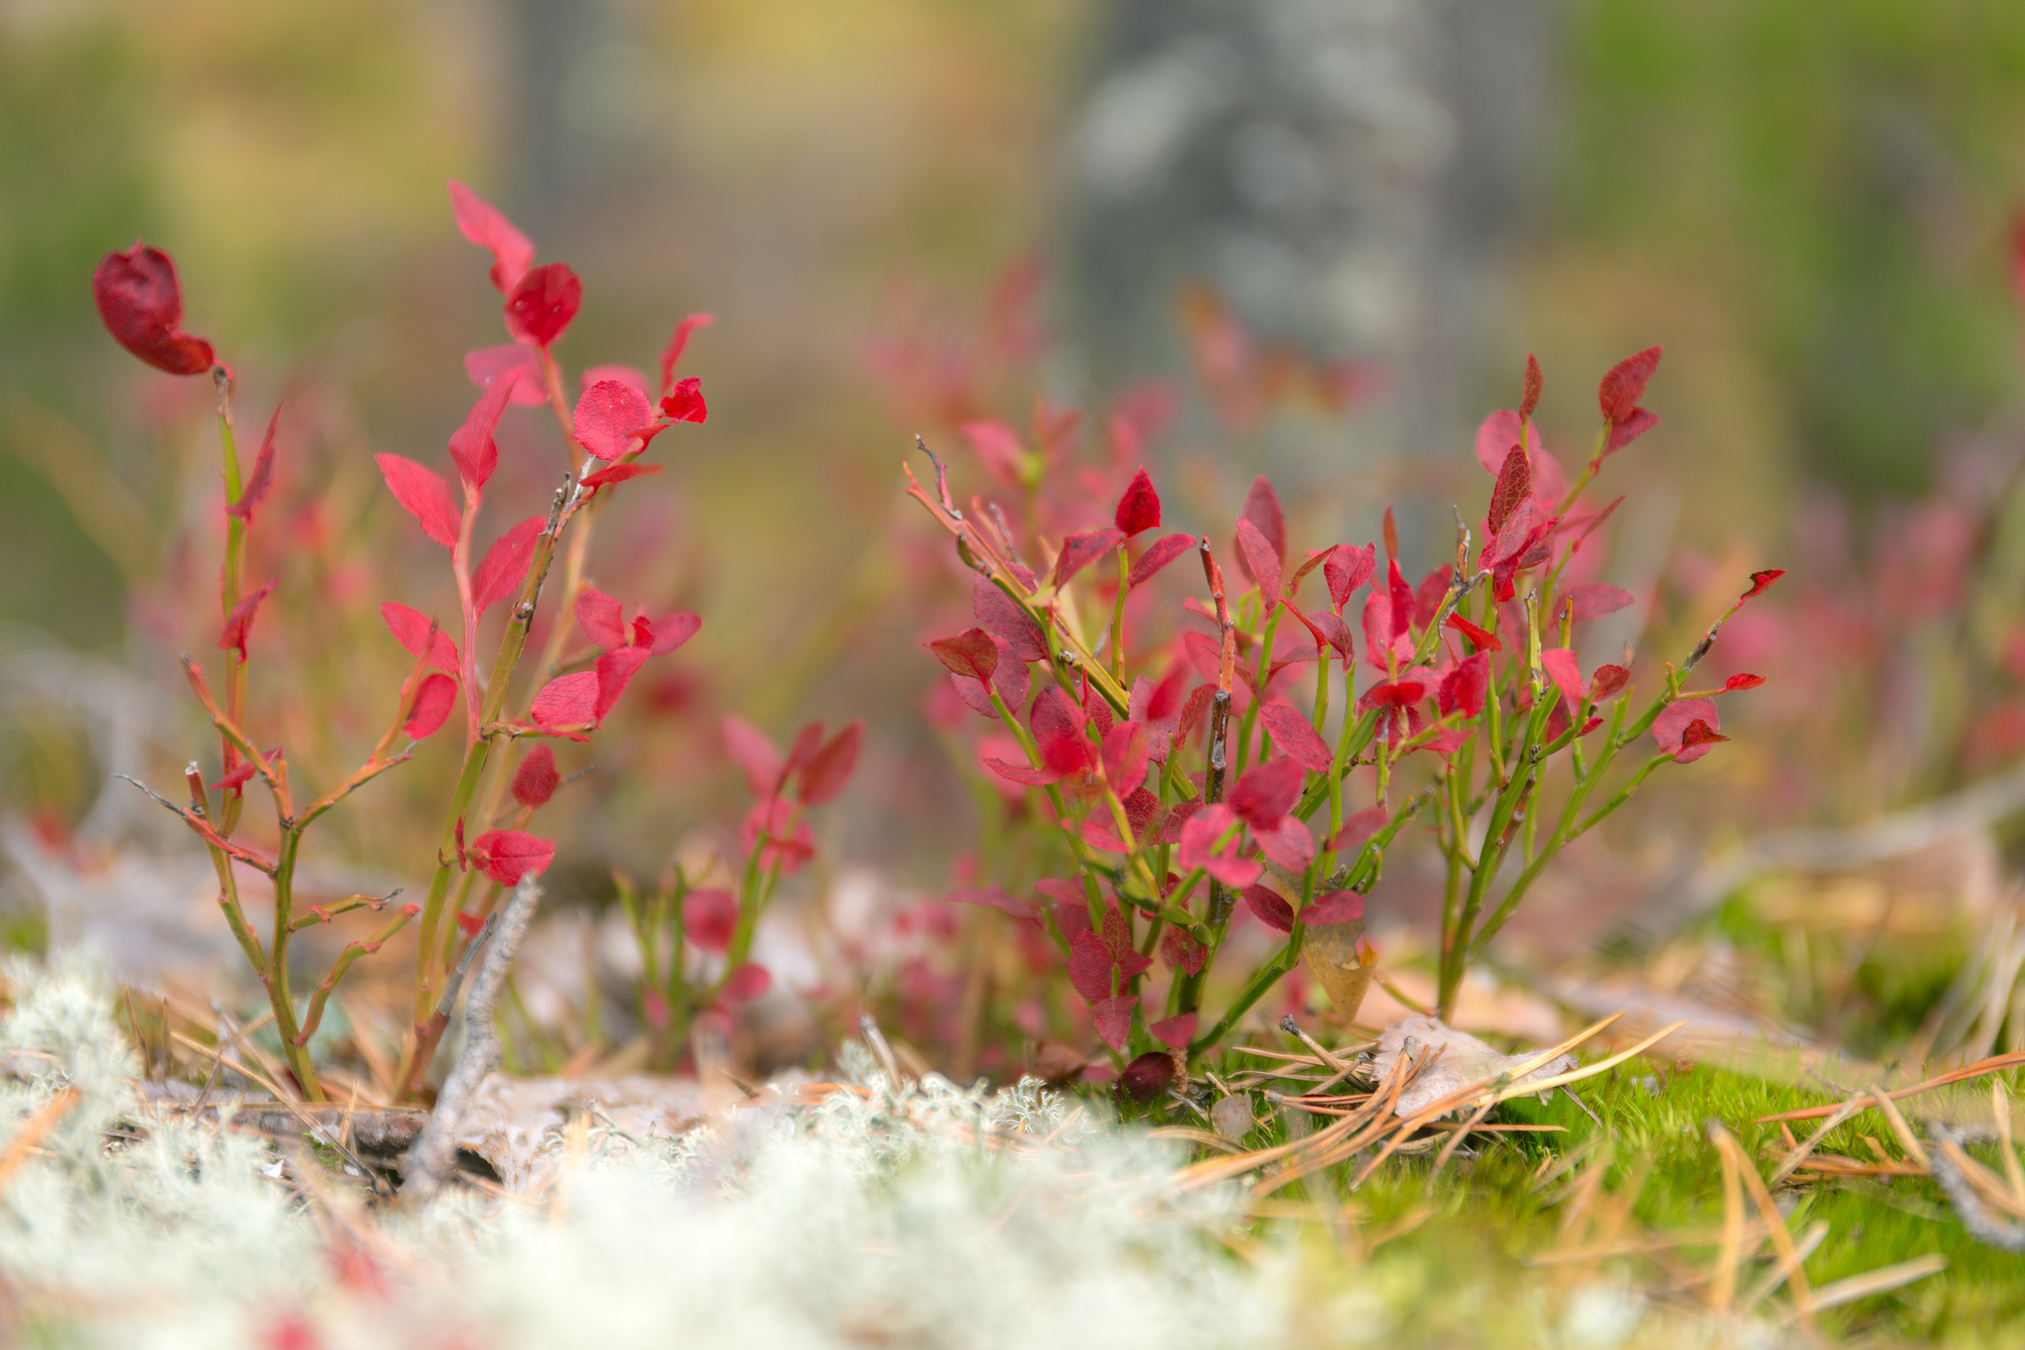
(1139, 508)
(536, 780)
(1514, 485)
(411, 627)
(508, 855)
(481, 222)
(1182, 952)
(1670, 727)
(1125, 757)
(1565, 671)
(602, 619)
(1262, 565)
(1080, 550)
(542, 304)
(1464, 688)
(669, 632)
(426, 496)
(1498, 434)
(748, 982)
(1630, 429)
(1482, 639)
(504, 566)
(1022, 774)
(433, 702)
(972, 653)
(994, 897)
(567, 701)
(1607, 681)
(1271, 908)
(1113, 1017)
(1334, 907)
(619, 473)
(1290, 843)
(1262, 508)
(1596, 600)
(709, 918)
(829, 768)
(1264, 794)
(754, 753)
(471, 447)
(999, 448)
(1401, 597)
(1347, 569)
(1174, 1032)
(1357, 829)
(610, 417)
(1296, 737)
(1621, 388)
(240, 621)
(262, 478)
(141, 304)
(671, 356)
(1529, 399)
(1004, 619)
(615, 670)
(488, 364)
(1159, 555)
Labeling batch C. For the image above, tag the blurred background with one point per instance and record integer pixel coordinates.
(907, 214)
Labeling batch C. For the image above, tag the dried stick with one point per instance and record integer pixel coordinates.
(428, 1161)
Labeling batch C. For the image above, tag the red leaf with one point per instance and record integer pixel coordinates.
(1742, 682)
(468, 924)
(141, 305)
(1296, 737)
(1173, 1032)
(679, 343)
(1080, 550)
(1498, 433)
(263, 474)
(1669, 729)
(426, 496)
(488, 364)
(1761, 582)
(1357, 829)
(542, 304)
(1090, 965)
(1139, 508)
(1393, 694)
(411, 627)
(1429, 594)
(1515, 484)
(1401, 597)
(1483, 640)
(602, 619)
(508, 855)
(1630, 429)
(1347, 569)
(1157, 556)
(480, 222)
(829, 768)
(1113, 1017)
(971, 652)
(1182, 952)
(1261, 564)
(1199, 834)
(536, 780)
(1334, 907)
(1264, 794)
(615, 670)
(1271, 908)
(684, 403)
(433, 702)
(567, 701)
(748, 982)
(1464, 688)
(238, 778)
(1099, 833)
(240, 621)
(609, 418)
(1607, 681)
(709, 918)
(1004, 619)
(754, 752)
(1697, 736)
(1290, 843)
(504, 566)
(1125, 756)
(619, 473)
(1262, 508)
(999, 448)
(994, 897)
(1595, 600)
(669, 632)
(1147, 1076)
(1624, 385)
(1022, 774)
(1565, 671)
(471, 447)
(1530, 398)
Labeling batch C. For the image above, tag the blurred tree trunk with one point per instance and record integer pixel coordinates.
(1342, 173)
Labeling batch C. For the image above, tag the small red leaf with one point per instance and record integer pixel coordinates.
(1607, 681)
(1529, 399)
(994, 897)
(1565, 671)
(426, 496)
(1742, 682)
(971, 652)
(1147, 1076)
(609, 418)
(615, 670)
(1264, 794)
(1291, 844)
(504, 566)
(1669, 729)
(240, 622)
(488, 364)
(1113, 1017)
(263, 474)
(709, 918)
(141, 305)
(1262, 565)
(433, 702)
(542, 304)
(508, 855)
(748, 982)
(1080, 550)
(411, 627)
(1262, 508)
(1270, 906)
(1464, 688)
(536, 780)
(619, 473)
(998, 446)
(1173, 1032)
(679, 343)
(481, 222)
(1003, 618)
(1483, 640)
(1621, 388)
(1761, 582)
(1139, 508)
(1347, 569)
(669, 632)
(829, 768)
(1158, 556)
(755, 754)
(1697, 736)
(567, 701)
(1515, 484)
(1334, 907)
(1021, 773)
(1125, 758)
(1182, 952)
(1595, 600)
(684, 403)
(471, 446)
(1630, 429)
(1392, 694)
(602, 619)
(1357, 829)
(1296, 737)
